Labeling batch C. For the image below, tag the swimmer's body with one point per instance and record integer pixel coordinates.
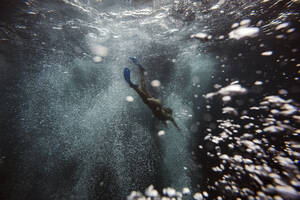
(159, 111)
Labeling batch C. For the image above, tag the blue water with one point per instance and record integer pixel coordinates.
(74, 129)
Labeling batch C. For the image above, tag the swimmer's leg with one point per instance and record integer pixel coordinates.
(142, 75)
(140, 92)
(142, 79)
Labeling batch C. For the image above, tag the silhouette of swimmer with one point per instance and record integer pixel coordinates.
(159, 111)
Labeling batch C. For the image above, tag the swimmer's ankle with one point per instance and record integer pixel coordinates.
(132, 85)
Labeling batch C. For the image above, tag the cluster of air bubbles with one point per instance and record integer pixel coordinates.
(186, 10)
(243, 30)
(99, 51)
(257, 158)
(283, 29)
(185, 112)
(226, 92)
(240, 30)
(167, 194)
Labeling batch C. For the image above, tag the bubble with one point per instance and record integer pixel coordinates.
(232, 89)
(218, 5)
(226, 98)
(258, 83)
(97, 59)
(129, 99)
(205, 194)
(243, 32)
(155, 83)
(245, 22)
(99, 50)
(267, 53)
(186, 191)
(229, 110)
(200, 36)
(259, 23)
(282, 92)
(235, 25)
(276, 197)
(290, 30)
(217, 86)
(279, 36)
(151, 192)
(161, 133)
(134, 195)
(281, 26)
(170, 192)
(198, 196)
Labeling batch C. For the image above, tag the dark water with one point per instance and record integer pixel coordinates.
(71, 128)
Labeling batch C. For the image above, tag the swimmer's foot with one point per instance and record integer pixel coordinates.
(126, 73)
(135, 61)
